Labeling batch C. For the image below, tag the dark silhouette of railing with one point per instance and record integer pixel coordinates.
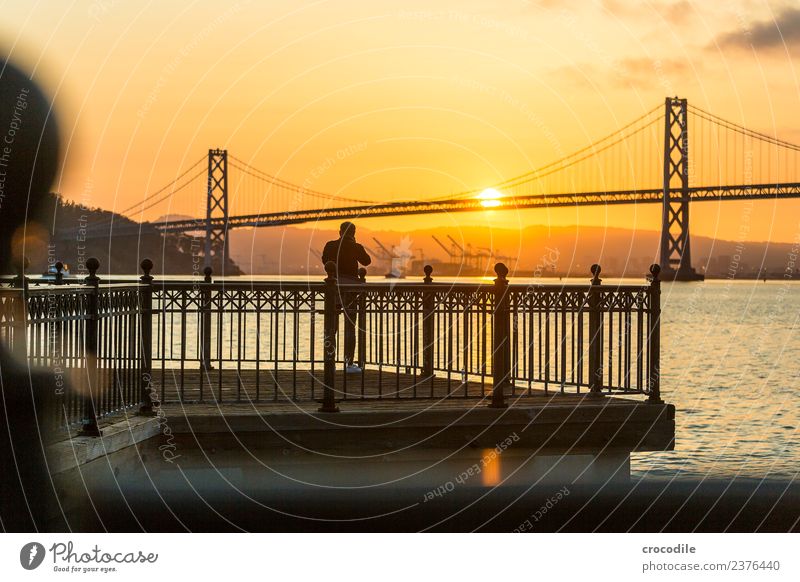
(125, 346)
(90, 338)
(280, 341)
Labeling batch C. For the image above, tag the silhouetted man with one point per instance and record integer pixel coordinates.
(347, 254)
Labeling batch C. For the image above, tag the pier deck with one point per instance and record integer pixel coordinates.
(547, 422)
(374, 386)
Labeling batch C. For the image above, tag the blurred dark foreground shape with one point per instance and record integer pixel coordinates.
(29, 155)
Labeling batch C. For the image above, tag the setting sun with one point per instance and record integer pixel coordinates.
(490, 198)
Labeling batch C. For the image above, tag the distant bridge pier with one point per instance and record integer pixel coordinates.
(217, 208)
(676, 252)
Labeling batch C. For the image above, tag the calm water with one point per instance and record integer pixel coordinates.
(730, 365)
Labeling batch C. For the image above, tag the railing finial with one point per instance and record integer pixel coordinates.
(330, 269)
(655, 270)
(596, 269)
(362, 274)
(428, 270)
(147, 266)
(92, 264)
(207, 272)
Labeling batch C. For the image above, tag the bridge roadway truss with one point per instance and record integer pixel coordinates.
(647, 196)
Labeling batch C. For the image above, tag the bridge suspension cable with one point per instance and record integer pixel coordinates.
(741, 129)
(723, 153)
(147, 202)
(278, 182)
(620, 160)
(166, 192)
(586, 152)
(620, 169)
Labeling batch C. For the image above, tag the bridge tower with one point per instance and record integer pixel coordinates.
(676, 251)
(217, 206)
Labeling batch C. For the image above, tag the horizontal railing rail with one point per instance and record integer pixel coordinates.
(131, 345)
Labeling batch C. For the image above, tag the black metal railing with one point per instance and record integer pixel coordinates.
(124, 346)
(267, 340)
(87, 337)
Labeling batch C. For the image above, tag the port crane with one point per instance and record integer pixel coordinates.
(451, 252)
(385, 253)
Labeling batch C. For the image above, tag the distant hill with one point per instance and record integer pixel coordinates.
(171, 254)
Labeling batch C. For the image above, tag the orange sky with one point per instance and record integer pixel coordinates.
(444, 96)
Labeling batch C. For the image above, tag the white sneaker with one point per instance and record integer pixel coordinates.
(353, 369)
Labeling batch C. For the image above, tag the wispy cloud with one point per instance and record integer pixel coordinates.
(672, 12)
(783, 31)
(640, 72)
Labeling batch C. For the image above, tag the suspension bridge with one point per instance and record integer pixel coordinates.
(645, 161)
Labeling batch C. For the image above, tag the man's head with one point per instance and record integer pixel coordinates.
(347, 229)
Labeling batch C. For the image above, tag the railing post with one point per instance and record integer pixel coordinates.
(20, 314)
(21, 281)
(654, 337)
(205, 321)
(501, 350)
(19, 327)
(595, 335)
(91, 344)
(331, 320)
(362, 321)
(146, 331)
(427, 326)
